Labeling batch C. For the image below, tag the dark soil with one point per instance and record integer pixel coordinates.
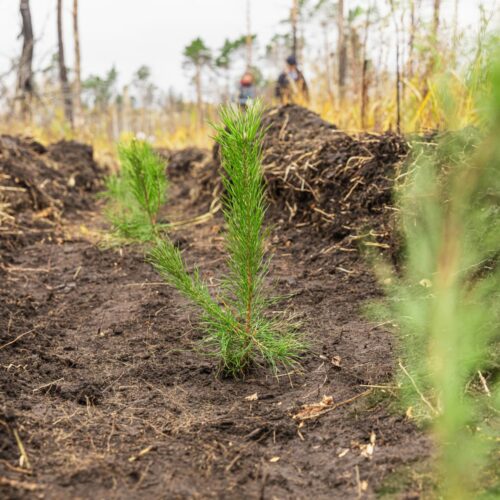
(338, 185)
(102, 383)
(39, 186)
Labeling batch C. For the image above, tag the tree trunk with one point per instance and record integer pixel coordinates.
(398, 90)
(25, 72)
(127, 120)
(365, 84)
(249, 39)
(397, 29)
(341, 50)
(433, 46)
(355, 60)
(294, 20)
(78, 77)
(365, 67)
(63, 75)
(411, 41)
(328, 65)
(199, 97)
(454, 42)
(435, 20)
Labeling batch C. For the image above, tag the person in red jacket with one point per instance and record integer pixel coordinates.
(247, 92)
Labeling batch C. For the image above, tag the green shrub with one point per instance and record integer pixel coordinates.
(240, 331)
(136, 194)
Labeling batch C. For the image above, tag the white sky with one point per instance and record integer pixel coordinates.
(129, 33)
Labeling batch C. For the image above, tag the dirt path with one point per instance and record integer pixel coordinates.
(102, 388)
(111, 400)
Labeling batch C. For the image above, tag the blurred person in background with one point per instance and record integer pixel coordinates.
(291, 85)
(247, 91)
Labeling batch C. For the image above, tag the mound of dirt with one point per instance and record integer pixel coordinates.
(181, 162)
(338, 183)
(76, 162)
(39, 185)
(193, 163)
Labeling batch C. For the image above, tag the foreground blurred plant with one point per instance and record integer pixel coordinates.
(240, 332)
(447, 303)
(136, 194)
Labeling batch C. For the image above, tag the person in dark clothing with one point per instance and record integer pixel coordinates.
(291, 85)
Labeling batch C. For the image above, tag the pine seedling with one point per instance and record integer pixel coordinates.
(136, 194)
(446, 300)
(240, 330)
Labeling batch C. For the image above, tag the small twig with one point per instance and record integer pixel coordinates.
(11, 467)
(147, 283)
(23, 460)
(233, 462)
(337, 405)
(358, 482)
(422, 397)
(380, 386)
(10, 188)
(13, 269)
(44, 386)
(483, 382)
(23, 485)
(77, 272)
(16, 339)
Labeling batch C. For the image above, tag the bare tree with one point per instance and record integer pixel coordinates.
(249, 36)
(398, 69)
(341, 50)
(454, 41)
(294, 18)
(365, 85)
(198, 56)
(78, 75)
(25, 72)
(328, 65)
(366, 67)
(433, 46)
(435, 19)
(63, 74)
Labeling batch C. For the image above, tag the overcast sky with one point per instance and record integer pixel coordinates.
(129, 33)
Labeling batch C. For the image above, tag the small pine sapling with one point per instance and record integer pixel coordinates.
(446, 300)
(240, 331)
(136, 194)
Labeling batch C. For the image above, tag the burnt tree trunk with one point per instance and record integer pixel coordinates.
(78, 77)
(25, 72)
(365, 85)
(63, 74)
